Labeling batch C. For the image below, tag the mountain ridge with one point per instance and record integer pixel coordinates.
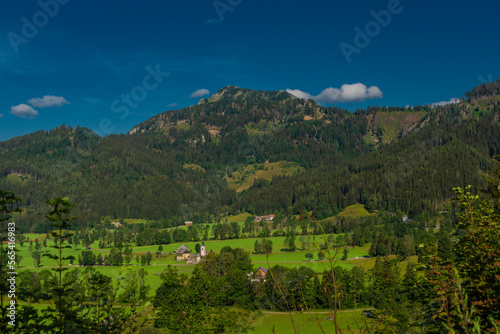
(235, 93)
(144, 174)
(228, 101)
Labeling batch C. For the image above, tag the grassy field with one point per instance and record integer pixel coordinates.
(248, 245)
(299, 256)
(238, 218)
(153, 277)
(244, 179)
(27, 260)
(17, 178)
(158, 264)
(305, 322)
(287, 259)
(392, 122)
(135, 221)
(354, 211)
(369, 263)
(317, 321)
(34, 236)
(214, 245)
(278, 255)
(269, 322)
(358, 256)
(317, 266)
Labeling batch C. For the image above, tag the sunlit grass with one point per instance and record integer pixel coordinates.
(309, 322)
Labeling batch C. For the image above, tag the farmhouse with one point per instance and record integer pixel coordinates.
(188, 223)
(182, 252)
(260, 274)
(117, 224)
(267, 218)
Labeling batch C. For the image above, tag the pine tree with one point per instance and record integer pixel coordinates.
(446, 252)
(386, 283)
(478, 252)
(409, 284)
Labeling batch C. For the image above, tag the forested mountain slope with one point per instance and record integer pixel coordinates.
(414, 175)
(143, 174)
(386, 158)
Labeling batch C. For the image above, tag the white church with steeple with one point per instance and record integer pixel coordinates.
(203, 250)
(196, 258)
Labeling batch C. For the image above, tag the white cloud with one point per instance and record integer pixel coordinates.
(172, 105)
(346, 93)
(23, 111)
(200, 93)
(350, 93)
(299, 94)
(48, 101)
(443, 103)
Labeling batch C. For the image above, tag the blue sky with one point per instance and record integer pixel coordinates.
(109, 65)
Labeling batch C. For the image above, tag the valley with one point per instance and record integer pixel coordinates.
(310, 214)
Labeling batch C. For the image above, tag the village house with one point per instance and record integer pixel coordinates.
(188, 223)
(260, 274)
(268, 218)
(183, 254)
(117, 224)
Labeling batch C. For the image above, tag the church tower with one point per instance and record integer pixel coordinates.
(203, 250)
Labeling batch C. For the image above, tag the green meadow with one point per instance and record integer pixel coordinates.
(243, 179)
(237, 218)
(27, 259)
(214, 245)
(34, 236)
(351, 321)
(158, 264)
(354, 211)
(392, 122)
(115, 272)
(307, 323)
(358, 256)
(278, 256)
